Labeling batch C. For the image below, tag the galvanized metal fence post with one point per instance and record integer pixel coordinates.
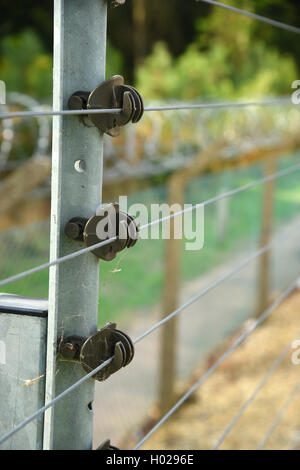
(23, 322)
(79, 64)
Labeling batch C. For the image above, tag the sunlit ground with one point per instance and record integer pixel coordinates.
(201, 421)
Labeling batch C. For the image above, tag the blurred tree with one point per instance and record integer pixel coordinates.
(28, 14)
(134, 28)
(287, 11)
(25, 66)
(114, 60)
(221, 62)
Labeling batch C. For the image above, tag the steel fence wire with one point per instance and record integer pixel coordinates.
(55, 400)
(248, 402)
(90, 374)
(297, 442)
(224, 356)
(229, 104)
(264, 19)
(271, 102)
(20, 249)
(200, 294)
(73, 255)
(280, 415)
(213, 285)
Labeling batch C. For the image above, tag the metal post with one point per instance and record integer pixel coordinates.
(79, 64)
(23, 322)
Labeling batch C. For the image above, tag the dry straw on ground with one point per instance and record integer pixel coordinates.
(201, 421)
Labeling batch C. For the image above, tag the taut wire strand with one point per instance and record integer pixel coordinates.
(88, 249)
(264, 19)
(229, 351)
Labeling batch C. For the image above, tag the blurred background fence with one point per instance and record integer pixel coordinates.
(131, 292)
(202, 62)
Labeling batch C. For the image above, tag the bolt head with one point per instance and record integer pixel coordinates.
(72, 230)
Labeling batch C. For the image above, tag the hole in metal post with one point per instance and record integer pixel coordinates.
(80, 166)
(90, 406)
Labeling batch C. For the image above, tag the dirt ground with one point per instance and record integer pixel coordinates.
(200, 422)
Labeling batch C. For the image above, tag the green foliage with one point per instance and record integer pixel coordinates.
(114, 61)
(229, 57)
(27, 68)
(222, 62)
(24, 65)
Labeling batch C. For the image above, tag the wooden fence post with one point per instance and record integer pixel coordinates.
(168, 343)
(265, 237)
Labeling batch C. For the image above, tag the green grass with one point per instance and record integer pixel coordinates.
(134, 279)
